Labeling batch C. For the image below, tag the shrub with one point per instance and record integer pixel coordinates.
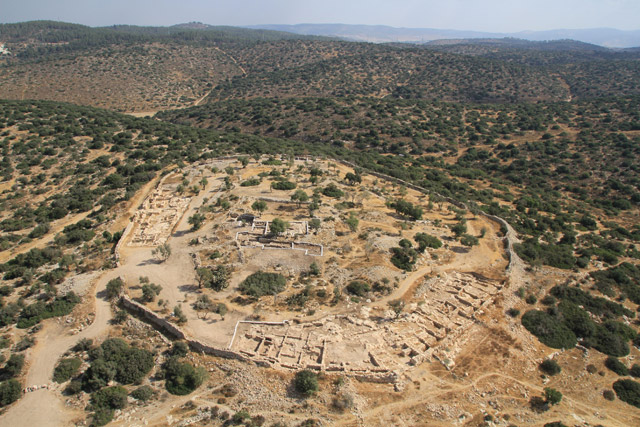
(114, 288)
(182, 378)
(83, 344)
(306, 382)
(34, 313)
(608, 342)
(283, 185)
(358, 288)
(513, 312)
(548, 329)
(105, 401)
(115, 359)
(404, 258)
(550, 367)
(66, 369)
(261, 283)
(278, 226)
(552, 396)
(426, 241)
(548, 300)
(10, 391)
(407, 209)
(250, 182)
(332, 190)
(110, 397)
(628, 391)
(609, 395)
(616, 366)
(13, 367)
(143, 393)
(179, 349)
(531, 299)
(468, 240)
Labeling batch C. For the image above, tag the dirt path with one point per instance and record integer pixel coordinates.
(55, 339)
(43, 407)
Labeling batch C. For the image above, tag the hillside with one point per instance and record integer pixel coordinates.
(310, 232)
(141, 69)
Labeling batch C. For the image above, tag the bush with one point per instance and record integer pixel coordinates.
(115, 359)
(83, 344)
(10, 391)
(609, 395)
(250, 182)
(306, 382)
(404, 258)
(608, 342)
(182, 378)
(13, 367)
(552, 396)
(278, 226)
(513, 312)
(261, 283)
(180, 349)
(628, 391)
(34, 313)
(66, 369)
(616, 366)
(427, 241)
(109, 398)
(548, 329)
(114, 288)
(143, 393)
(283, 185)
(358, 288)
(407, 209)
(332, 190)
(550, 367)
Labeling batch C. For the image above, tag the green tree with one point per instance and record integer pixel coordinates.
(162, 252)
(300, 197)
(204, 275)
(278, 226)
(306, 382)
(552, 396)
(352, 222)
(114, 288)
(196, 221)
(259, 206)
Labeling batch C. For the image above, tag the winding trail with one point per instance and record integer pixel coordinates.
(43, 407)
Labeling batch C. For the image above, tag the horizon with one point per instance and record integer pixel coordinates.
(492, 16)
(257, 26)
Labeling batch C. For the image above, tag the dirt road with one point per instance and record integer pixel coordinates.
(43, 408)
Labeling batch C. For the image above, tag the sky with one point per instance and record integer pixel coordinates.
(476, 15)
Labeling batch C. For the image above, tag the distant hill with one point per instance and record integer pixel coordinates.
(607, 37)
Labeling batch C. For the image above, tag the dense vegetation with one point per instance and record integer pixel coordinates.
(261, 283)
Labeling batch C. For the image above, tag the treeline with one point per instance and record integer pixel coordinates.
(50, 37)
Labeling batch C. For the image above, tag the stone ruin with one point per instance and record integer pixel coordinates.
(360, 346)
(256, 236)
(158, 215)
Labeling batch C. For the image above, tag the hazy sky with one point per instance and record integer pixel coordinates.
(479, 15)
